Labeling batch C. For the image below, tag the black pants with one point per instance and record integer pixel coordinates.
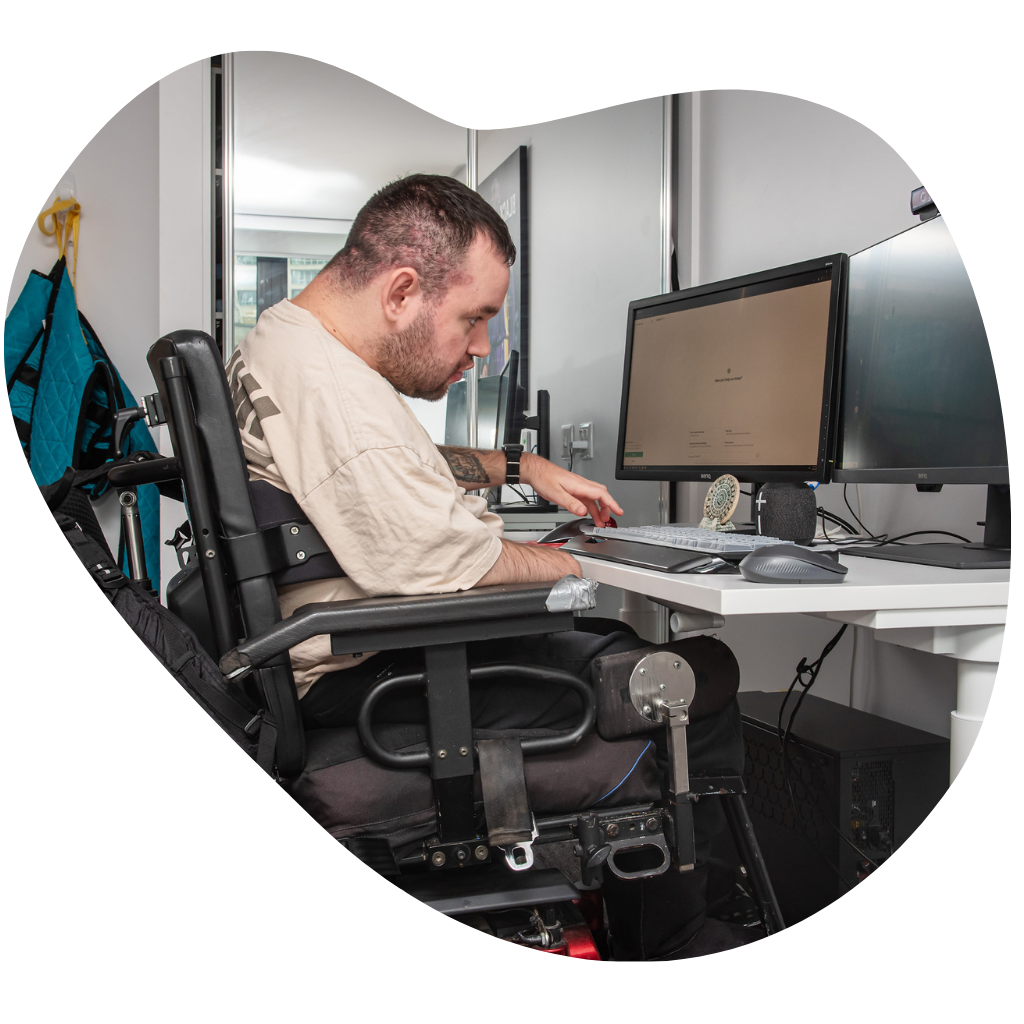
(648, 918)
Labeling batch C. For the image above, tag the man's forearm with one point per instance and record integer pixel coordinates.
(475, 467)
(522, 563)
(483, 467)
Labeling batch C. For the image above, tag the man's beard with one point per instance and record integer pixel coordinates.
(409, 361)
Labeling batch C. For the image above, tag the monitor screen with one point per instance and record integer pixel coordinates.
(494, 409)
(735, 377)
(510, 403)
(919, 396)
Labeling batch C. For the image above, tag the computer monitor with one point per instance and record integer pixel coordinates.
(735, 377)
(919, 401)
(510, 403)
(456, 420)
(498, 405)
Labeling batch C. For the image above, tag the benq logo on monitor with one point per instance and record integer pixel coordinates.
(705, 476)
(922, 476)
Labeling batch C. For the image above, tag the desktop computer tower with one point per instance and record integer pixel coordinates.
(874, 779)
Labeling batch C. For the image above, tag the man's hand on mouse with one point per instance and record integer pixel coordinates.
(575, 493)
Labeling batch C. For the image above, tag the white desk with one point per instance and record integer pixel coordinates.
(957, 613)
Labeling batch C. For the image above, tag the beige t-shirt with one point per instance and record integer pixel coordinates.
(315, 420)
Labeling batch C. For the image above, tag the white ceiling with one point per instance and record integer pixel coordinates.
(312, 140)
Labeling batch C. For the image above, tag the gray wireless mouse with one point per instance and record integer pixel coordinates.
(790, 563)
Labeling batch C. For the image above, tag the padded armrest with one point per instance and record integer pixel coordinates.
(372, 614)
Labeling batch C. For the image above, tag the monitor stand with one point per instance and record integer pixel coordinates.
(993, 553)
(950, 556)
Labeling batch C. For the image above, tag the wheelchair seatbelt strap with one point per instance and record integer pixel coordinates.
(510, 825)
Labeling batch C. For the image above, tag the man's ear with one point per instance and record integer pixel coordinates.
(401, 294)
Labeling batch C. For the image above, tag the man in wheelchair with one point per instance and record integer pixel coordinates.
(319, 554)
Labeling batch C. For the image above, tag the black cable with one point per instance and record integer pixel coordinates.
(860, 542)
(813, 669)
(825, 514)
(856, 518)
(886, 539)
(919, 533)
(845, 542)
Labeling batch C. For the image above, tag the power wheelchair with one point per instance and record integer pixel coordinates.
(467, 821)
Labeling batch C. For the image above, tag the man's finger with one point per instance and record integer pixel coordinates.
(605, 504)
(597, 513)
(568, 501)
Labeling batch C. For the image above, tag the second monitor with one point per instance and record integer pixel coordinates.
(736, 377)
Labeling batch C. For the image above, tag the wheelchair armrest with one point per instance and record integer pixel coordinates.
(370, 617)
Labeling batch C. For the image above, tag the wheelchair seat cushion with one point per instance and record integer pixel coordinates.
(352, 795)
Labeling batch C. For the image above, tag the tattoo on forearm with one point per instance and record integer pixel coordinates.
(465, 465)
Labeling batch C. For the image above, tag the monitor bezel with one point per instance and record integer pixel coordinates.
(924, 475)
(820, 471)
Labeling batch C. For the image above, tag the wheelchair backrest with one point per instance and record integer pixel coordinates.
(190, 376)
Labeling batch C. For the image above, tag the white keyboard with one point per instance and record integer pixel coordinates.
(689, 537)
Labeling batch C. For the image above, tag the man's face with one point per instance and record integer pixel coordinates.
(425, 358)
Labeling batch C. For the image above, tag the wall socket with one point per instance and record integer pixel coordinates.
(586, 440)
(568, 435)
(581, 444)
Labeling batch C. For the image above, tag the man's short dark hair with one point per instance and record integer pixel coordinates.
(424, 221)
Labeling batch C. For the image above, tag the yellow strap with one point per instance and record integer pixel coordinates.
(64, 216)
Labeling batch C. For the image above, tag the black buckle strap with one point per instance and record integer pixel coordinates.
(276, 549)
(510, 825)
(293, 544)
(103, 571)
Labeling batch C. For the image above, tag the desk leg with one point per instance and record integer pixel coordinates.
(974, 682)
(976, 651)
(644, 616)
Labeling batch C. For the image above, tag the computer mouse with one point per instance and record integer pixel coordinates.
(791, 563)
(573, 529)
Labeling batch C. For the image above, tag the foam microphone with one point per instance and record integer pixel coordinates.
(786, 511)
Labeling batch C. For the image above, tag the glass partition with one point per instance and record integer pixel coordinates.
(310, 144)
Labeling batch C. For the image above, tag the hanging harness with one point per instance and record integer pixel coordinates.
(64, 390)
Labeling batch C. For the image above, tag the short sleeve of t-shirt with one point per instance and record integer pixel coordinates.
(417, 536)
